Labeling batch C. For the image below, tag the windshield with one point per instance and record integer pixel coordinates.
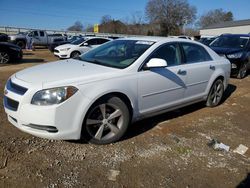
(118, 54)
(230, 42)
(78, 41)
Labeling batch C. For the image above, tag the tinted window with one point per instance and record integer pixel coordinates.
(41, 33)
(169, 52)
(92, 42)
(195, 53)
(101, 41)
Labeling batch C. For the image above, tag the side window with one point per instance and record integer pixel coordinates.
(101, 41)
(92, 42)
(35, 33)
(195, 53)
(31, 34)
(42, 33)
(170, 53)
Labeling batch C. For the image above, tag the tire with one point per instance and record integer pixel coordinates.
(243, 71)
(106, 121)
(75, 55)
(215, 94)
(4, 58)
(21, 44)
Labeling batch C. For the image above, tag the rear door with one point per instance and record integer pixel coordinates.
(199, 67)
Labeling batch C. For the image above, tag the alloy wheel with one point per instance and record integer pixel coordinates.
(243, 71)
(4, 58)
(104, 122)
(75, 55)
(216, 93)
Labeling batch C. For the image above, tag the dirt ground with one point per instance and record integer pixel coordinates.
(169, 150)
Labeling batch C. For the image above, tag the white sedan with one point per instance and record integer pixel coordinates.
(78, 47)
(97, 96)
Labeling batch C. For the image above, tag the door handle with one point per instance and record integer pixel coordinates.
(212, 67)
(182, 72)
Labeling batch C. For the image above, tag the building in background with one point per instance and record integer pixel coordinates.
(233, 27)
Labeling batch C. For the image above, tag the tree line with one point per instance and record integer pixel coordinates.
(161, 18)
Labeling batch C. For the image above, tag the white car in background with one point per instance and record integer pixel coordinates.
(78, 47)
(97, 96)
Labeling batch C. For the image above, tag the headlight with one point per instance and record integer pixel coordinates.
(65, 49)
(53, 96)
(235, 55)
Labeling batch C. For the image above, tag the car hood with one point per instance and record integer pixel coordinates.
(65, 72)
(226, 51)
(9, 44)
(19, 35)
(65, 46)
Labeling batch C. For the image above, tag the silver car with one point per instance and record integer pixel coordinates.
(97, 96)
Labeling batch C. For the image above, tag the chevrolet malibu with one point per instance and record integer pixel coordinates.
(97, 96)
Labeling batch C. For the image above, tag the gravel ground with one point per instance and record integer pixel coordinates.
(170, 150)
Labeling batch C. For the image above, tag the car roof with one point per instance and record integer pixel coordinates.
(88, 37)
(157, 39)
(239, 35)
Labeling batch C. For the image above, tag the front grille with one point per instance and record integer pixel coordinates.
(16, 88)
(57, 51)
(10, 103)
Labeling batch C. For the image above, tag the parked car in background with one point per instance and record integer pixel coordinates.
(236, 48)
(39, 37)
(182, 37)
(78, 47)
(10, 52)
(58, 42)
(97, 96)
(59, 35)
(3, 37)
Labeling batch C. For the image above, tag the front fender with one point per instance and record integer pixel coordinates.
(124, 85)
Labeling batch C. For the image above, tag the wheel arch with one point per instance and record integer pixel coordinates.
(120, 95)
(21, 40)
(75, 51)
(213, 79)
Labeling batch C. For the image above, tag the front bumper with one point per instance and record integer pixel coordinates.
(61, 55)
(235, 66)
(59, 122)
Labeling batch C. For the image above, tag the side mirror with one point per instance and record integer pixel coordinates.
(85, 44)
(156, 63)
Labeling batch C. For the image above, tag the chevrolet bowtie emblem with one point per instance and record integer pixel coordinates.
(5, 92)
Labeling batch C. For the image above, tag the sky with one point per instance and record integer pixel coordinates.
(60, 14)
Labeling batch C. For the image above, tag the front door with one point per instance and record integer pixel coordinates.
(160, 88)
